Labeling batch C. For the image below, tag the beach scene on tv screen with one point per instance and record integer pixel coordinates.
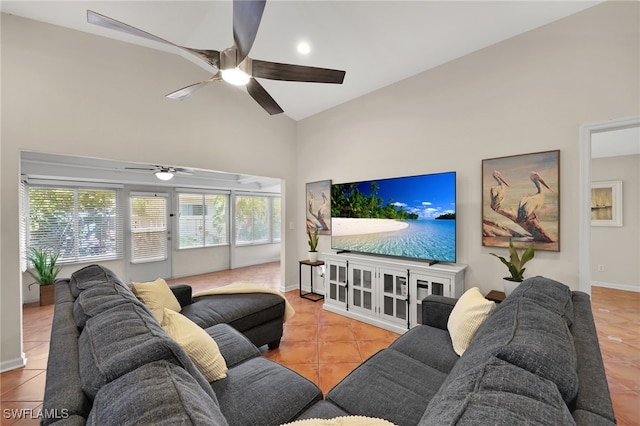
(410, 217)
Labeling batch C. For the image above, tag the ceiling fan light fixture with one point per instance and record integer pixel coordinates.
(164, 175)
(235, 76)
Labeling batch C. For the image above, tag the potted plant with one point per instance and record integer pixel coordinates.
(46, 269)
(516, 267)
(312, 239)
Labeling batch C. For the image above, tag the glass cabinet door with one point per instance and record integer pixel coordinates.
(393, 305)
(423, 286)
(361, 288)
(337, 282)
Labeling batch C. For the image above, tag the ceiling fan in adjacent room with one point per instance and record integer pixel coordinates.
(163, 172)
(233, 64)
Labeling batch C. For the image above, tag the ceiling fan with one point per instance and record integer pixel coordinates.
(163, 172)
(233, 64)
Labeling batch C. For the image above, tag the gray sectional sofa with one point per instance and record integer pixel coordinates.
(535, 360)
(111, 363)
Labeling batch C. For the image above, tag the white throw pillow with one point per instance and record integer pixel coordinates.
(201, 348)
(467, 315)
(342, 421)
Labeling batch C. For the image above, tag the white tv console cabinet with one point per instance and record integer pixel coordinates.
(386, 292)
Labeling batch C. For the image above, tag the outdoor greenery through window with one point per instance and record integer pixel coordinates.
(203, 220)
(257, 219)
(81, 224)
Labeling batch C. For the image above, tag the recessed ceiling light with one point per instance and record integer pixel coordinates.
(304, 48)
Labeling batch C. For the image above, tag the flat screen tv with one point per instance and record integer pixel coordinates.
(410, 217)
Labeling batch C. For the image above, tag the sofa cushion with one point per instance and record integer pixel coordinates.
(200, 346)
(429, 345)
(157, 296)
(262, 392)
(90, 275)
(497, 393)
(101, 297)
(547, 293)
(471, 310)
(156, 393)
(527, 334)
(389, 385)
(323, 410)
(241, 311)
(234, 346)
(122, 339)
(542, 344)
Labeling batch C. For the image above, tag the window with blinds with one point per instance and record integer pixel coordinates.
(276, 219)
(257, 219)
(203, 220)
(81, 224)
(148, 220)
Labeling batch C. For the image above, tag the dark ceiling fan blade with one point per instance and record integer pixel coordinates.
(288, 72)
(247, 15)
(212, 57)
(187, 91)
(260, 95)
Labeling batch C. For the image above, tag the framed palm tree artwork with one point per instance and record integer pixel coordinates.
(521, 201)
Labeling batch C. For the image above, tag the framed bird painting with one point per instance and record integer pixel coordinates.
(318, 206)
(521, 201)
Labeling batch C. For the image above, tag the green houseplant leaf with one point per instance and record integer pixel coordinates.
(44, 263)
(313, 240)
(516, 262)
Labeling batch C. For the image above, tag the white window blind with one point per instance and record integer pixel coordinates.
(148, 220)
(81, 224)
(24, 223)
(276, 219)
(203, 220)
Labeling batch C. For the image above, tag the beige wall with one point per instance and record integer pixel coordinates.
(618, 248)
(527, 94)
(68, 92)
(72, 93)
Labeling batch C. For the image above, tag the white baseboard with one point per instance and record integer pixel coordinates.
(305, 288)
(289, 287)
(12, 364)
(615, 286)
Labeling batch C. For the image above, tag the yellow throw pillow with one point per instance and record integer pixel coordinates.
(467, 315)
(156, 295)
(201, 348)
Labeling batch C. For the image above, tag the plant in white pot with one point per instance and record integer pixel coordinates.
(312, 239)
(44, 263)
(515, 264)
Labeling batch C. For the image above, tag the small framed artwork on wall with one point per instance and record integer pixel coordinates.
(521, 201)
(318, 206)
(606, 203)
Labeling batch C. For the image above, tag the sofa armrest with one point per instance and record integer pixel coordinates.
(436, 310)
(182, 293)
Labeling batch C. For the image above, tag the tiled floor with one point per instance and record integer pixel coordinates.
(324, 347)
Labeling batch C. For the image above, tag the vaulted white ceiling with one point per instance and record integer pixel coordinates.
(377, 43)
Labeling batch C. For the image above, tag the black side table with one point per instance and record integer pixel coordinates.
(315, 297)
